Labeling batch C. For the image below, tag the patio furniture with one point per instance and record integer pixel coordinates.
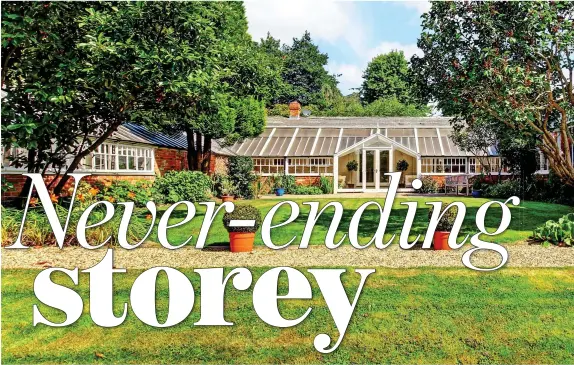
(457, 182)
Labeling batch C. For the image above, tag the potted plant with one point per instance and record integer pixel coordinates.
(241, 238)
(227, 189)
(402, 166)
(278, 185)
(352, 166)
(443, 228)
(477, 186)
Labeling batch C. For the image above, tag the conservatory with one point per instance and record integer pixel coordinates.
(329, 146)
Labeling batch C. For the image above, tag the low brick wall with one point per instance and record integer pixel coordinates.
(18, 180)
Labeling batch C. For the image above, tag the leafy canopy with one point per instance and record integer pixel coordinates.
(510, 62)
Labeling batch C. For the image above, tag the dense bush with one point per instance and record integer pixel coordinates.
(38, 232)
(326, 185)
(242, 176)
(446, 223)
(243, 212)
(306, 190)
(504, 189)
(176, 186)
(139, 192)
(559, 232)
(289, 183)
(430, 185)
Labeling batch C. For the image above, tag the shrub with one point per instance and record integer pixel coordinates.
(430, 185)
(277, 180)
(222, 185)
(446, 223)
(326, 185)
(306, 190)
(504, 190)
(38, 232)
(139, 192)
(402, 165)
(176, 186)
(559, 232)
(243, 212)
(289, 183)
(352, 165)
(242, 176)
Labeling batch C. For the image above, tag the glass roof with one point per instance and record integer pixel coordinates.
(317, 141)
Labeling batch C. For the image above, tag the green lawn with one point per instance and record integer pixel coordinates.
(453, 316)
(525, 217)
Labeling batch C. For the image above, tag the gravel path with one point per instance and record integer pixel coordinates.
(394, 257)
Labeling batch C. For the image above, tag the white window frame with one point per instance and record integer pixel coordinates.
(118, 151)
(312, 166)
(263, 165)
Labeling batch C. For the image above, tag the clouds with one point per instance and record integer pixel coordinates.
(419, 6)
(351, 76)
(385, 47)
(346, 30)
(326, 20)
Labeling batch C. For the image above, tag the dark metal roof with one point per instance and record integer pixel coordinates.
(136, 133)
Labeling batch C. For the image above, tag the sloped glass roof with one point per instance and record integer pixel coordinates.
(327, 136)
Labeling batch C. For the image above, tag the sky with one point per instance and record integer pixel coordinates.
(350, 32)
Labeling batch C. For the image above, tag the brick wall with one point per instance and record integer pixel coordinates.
(18, 181)
(167, 159)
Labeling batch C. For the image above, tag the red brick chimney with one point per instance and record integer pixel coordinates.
(294, 110)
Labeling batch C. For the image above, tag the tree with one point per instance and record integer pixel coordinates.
(304, 72)
(386, 76)
(510, 62)
(53, 107)
(74, 72)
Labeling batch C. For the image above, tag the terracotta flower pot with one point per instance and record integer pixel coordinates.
(440, 240)
(241, 241)
(227, 198)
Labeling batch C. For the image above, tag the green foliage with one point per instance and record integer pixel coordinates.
(446, 223)
(305, 190)
(352, 165)
(38, 232)
(352, 107)
(176, 186)
(304, 73)
(6, 185)
(402, 165)
(243, 212)
(326, 184)
(429, 186)
(242, 176)
(386, 76)
(497, 62)
(504, 189)
(139, 192)
(222, 185)
(277, 181)
(478, 182)
(559, 232)
(289, 183)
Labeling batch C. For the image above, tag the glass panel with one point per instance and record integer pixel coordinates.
(370, 168)
(384, 167)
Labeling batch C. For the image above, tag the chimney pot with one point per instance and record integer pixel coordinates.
(294, 110)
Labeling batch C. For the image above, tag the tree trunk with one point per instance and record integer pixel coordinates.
(191, 150)
(80, 156)
(28, 184)
(199, 147)
(206, 155)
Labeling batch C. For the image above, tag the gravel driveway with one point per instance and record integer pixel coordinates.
(394, 257)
